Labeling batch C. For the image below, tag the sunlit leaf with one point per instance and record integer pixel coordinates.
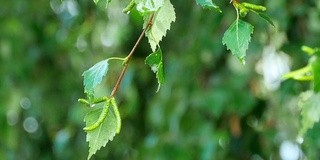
(148, 6)
(93, 76)
(208, 5)
(105, 132)
(237, 38)
(154, 60)
(160, 24)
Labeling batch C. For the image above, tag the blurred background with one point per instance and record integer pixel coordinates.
(211, 107)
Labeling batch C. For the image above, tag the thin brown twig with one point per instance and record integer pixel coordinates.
(115, 89)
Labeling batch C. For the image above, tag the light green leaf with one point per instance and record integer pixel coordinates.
(160, 24)
(93, 76)
(154, 60)
(148, 6)
(310, 110)
(237, 38)
(207, 4)
(103, 133)
(102, 117)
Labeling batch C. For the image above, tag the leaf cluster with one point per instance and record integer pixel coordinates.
(157, 16)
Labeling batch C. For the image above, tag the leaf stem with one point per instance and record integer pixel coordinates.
(115, 89)
(117, 58)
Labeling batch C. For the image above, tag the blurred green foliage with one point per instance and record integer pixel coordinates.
(210, 107)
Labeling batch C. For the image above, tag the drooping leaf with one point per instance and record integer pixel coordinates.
(310, 110)
(237, 38)
(105, 132)
(160, 24)
(160, 74)
(93, 76)
(154, 60)
(148, 6)
(315, 64)
(267, 18)
(207, 4)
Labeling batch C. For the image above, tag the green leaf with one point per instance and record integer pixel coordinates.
(237, 38)
(160, 24)
(310, 110)
(93, 76)
(267, 18)
(315, 65)
(154, 60)
(160, 74)
(102, 117)
(148, 6)
(264, 16)
(103, 133)
(207, 4)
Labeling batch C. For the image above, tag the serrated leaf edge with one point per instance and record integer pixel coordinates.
(236, 25)
(86, 90)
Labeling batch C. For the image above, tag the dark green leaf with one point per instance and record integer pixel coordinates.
(93, 76)
(103, 133)
(160, 74)
(207, 4)
(237, 38)
(154, 60)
